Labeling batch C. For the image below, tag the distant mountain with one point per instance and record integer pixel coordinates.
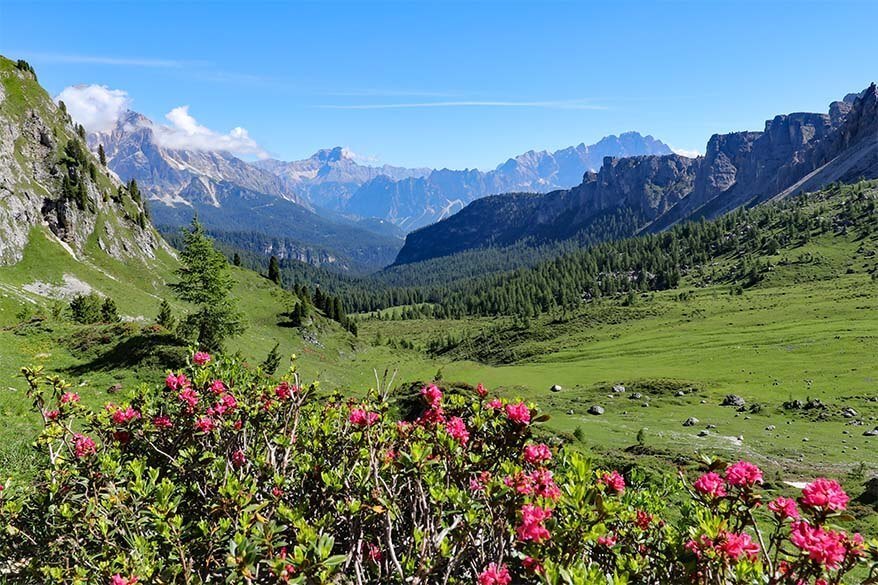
(795, 152)
(228, 193)
(329, 177)
(411, 198)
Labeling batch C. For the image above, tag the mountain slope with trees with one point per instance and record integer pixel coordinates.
(795, 152)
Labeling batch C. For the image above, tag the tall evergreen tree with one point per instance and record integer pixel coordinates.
(205, 282)
(274, 270)
(102, 155)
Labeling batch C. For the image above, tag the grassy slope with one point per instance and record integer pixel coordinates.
(809, 330)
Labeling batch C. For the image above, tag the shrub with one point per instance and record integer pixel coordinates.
(86, 308)
(223, 475)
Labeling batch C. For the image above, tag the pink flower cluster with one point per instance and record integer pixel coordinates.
(518, 413)
(363, 418)
(201, 358)
(162, 422)
(189, 397)
(827, 547)
(457, 429)
(824, 494)
(531, 527)
(433, 395)
(83, 446)
(711, 485)
(743, 474)
(123, 416)
(537, 483)
(118, 579)
(205, 424)
(176, 381)
(481, 391)
(285, 390)
(495, 574)
(735, 545)
(784, 508)
(225, 405)
(614, 481)
(537, 453)
(69, 398)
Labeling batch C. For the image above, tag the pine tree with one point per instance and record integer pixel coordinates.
(109, 312)
(236, 259)
(274, 270)
(102, 155)
(205, 281)
(272, 361)
(166, 316)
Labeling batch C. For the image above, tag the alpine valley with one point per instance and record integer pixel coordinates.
(662, 310)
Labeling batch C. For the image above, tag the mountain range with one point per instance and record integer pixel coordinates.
(794, 153)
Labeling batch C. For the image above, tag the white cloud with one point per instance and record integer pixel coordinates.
(185, 133)
(686, 152)
(96, 107)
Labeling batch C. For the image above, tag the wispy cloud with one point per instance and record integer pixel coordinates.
(554, 105)
(103, 60)
(392, 93)
(690, 153)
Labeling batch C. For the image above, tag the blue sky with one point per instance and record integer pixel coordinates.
(453, 84)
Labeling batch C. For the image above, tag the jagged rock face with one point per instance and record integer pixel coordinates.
(794, 153)
(168, 174)
(33, 133)
(413, 203)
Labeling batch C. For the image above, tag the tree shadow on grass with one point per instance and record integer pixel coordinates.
(160, 350)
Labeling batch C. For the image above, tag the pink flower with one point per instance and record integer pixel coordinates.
(118, 579)
(614, 481)
(69, 397)
(537, 453)
(52, 414)
(824, 494)
(162, 422)
(607, 540)
(432, 416)
(643, 520)
(477, 484)
(277, 492)
(205, 424)
(826, 547)
(217, 387)
(784, 508)
(124, 416)
(533, 565)
(531, 527)
(734, 545)
(226, 404)
(457, 429)
(432, 394)
(285, 390)
(83, 446)
(201, 358)
(743, 474)
(494, 404)
(374, 553)
(238, 458)
(189, 397)
(175, 382)
(710, 484)
(495, 575)
(481, 391)
(518, 413)
(363, 418)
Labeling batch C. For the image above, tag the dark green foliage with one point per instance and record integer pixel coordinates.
(205, 282)
(109, 312)
(23, 65)
(86, 309)
(274, 270)
(166, 317)
(102, 156)
(236, 260)
(272, 361)
(134, 191)
(80, 131)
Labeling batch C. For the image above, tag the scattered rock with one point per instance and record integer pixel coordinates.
(703, 433)
(596, 410)
(793, 405)
(555, 388)
(570, 411)
(849, 412)
(805, 439)
(733, 400)
(691, 422)
(114, 388)
(711, 426)
(680, 393)
(704, 402)
(636, 396)
(770, 428)
(618, 388)
(872, 433)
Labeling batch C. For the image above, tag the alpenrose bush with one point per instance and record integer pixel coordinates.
(222, 474)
